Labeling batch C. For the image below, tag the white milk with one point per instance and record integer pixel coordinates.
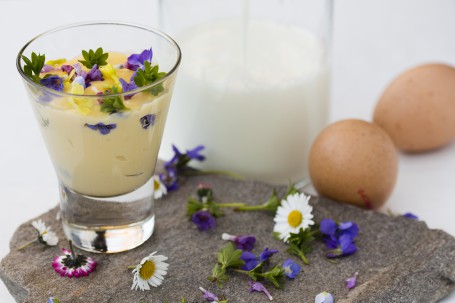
(255, 95)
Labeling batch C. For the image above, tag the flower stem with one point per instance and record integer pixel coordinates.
(241, 271)
(304, 258)
(131, 267)
(249, 207)
(231, 204)
(26, 244)
(213, 172)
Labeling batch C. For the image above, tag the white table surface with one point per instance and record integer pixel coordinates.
(374, 40)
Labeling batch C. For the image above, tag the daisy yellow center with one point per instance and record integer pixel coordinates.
(156, 185)
(147, 270)
(295, 218)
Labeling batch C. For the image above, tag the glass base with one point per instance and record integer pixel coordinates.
(108, 224)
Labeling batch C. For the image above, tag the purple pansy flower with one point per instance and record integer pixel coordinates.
(209, 296)
(259, 287)
(104, 129)
(93, 75)
(344, 247)
(291, 269)
(204, 220)
(411, 216)
(266, 254)
(126, 87)
(136, 61)
(250, 259)
(148, 120)
(79, 71)
(245, 243)
(352, 281)
(67, 68)
(53, 82)
(339, 238)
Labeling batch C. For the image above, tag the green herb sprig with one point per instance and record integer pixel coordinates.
(33, 66)
(97, 57)
(147, 76)
(300, 244)
(113, 104)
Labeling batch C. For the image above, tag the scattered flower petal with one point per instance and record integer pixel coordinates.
(293, 214)
(351, 282)
(72, 265)
(148, 120)
(159, 189)
(104, 129)
(208, 295)
(411, 216)
(150, 272)
(266, 254)
(245, 243)
(259, 287)
(204, 220)
(126, 87)
(291, 269)
(53, 82)
(250, 259)
(324, 297)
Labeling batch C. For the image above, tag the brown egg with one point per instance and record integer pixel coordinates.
(354, 161)
(417, 110)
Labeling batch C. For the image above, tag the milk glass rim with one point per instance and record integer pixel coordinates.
(155, 31)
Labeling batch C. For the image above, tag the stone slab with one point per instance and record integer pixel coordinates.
(399, 259)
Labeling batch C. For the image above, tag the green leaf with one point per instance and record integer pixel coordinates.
(91, 57)
(193, 206)
(274, 275)
(33, 66)
(113, 104)
(230, 257)
(147, 76)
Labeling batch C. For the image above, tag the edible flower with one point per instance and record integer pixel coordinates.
(48, 68)
(159, 189)
(180, 160)
(67, 68)
(53, 82)
(136, 61)
(72, 265)
(45, 235)
(126, 87)
(339, 238)
(291, 269)
(148, 120)
(259, 287)
(250, 259)
(324, 297)
(352, 281)
(169, 178)
(266, 254)
(83, 105)
(94, 74)
(245, 243)
(56, 62)
(208, 295)
(109, 72)
(150, 272)
(104, 129)
(411, 216)
(293, 214)
(204, 220)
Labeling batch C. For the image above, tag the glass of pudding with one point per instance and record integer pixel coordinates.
(101, 126)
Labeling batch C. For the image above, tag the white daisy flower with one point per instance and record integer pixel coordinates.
(293, 214)
(46, 236)
(159, 189)
(150, 271)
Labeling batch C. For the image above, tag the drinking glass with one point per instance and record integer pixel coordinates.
(254, 85)
(104, 161)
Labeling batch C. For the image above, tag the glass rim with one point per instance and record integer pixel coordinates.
(79, 24)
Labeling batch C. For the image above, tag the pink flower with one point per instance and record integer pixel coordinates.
(72, 265)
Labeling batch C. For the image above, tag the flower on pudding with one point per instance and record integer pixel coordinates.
(109, 72)
(159, 189)
(150, 272)
(72, 265)
(136, 61)
(148, 120)
(293, 214)
(53, 82)
(104, 129)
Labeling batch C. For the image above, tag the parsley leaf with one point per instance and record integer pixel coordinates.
(97, 57)
(33, 67)
(301, 243)
(113, 104)
(147, 76)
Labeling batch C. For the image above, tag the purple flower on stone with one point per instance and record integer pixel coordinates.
(93, 75)
(291, 269)
(411, 216)
(126, 87)
(104, 129)
(204, 220)
(148, 120)
(136, 61)
(344, 247)
(53, 82)
(169, 178)
(180, 160)
(339, 238)
(250, 259)
(266, 254)
(245, 243)
(352, 281)
(259, 287)
(209, 296)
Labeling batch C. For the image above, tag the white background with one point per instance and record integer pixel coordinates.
(374, 40)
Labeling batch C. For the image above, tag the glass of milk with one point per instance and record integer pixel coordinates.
(253, 85)
(104, 161)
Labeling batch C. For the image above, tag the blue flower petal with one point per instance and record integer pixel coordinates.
(328, 227)
(266, 254)
(291, 269)
(53, 82)
(104, 129)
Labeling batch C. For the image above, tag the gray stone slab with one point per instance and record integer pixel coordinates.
(399, 260)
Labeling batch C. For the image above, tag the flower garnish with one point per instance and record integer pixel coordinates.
(48, 68)
(150, 272)
(352, 281)
(245, 243)
(291, 269)
(104, 129)
(324, 297)
(148, 120)
(33, 67)
(56, 62)
(126, 87)
(208, 295)
(259, 287)
(109, 72)
(45, 235)
(159, 189)
(339, 238)
(411, 216)
(136, 61)
(53, 82)
(266, 254)
(92, 58)
(72, 265)
(293, 214)
(147, 75)
(93, 75)
(67, 68)
(250, 259)
(204, 220)
(53, 300)
(170, 179)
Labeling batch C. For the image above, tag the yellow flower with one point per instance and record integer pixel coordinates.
(109, 72)
(56, 62)
(83, 105)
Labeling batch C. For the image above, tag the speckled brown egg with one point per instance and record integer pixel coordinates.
(354, 161)
(417, 110)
